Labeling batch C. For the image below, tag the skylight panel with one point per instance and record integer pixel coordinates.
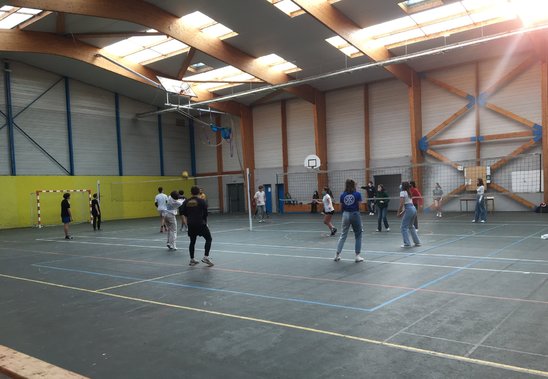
(288, 7)
(392, 26)
(448, 25)
(400, 37)
(13, 20)
(6, 8)
(277, 63)
(219, 31)
(29, 11)
(143, 55)
(198, 20)
(531, 11)
(433, 15)
(134, 44)
(344, 46)
(170, 46)
(216, 77)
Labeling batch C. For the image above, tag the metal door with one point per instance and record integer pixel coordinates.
(236, 198)
(268, 196)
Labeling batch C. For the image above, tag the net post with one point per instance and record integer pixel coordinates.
(247, 175)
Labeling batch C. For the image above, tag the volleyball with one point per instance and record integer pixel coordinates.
(184, 174)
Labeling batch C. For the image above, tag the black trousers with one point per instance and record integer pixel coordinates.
(199, 230)
(96, 222)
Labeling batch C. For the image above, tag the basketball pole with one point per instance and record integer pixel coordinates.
(249, 200)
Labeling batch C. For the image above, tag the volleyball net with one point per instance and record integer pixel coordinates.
(521, 179)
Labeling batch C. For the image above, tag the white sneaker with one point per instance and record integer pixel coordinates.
(207, 261)
(337, 258)
(193, 262)
(358, 258)
(387, 229)
(418, 245)
(473, 220)
(405, 246)
(482, 221)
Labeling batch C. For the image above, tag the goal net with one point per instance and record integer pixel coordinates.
(46, 206)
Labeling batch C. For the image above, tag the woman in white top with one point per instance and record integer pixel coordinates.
(328, 210)
(408, 211)
(481, 211)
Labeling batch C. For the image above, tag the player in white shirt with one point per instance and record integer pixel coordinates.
(328, 210)
(170, 216)
(160, 201)
(260, 200)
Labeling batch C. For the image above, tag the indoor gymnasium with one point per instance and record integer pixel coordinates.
(274, 189)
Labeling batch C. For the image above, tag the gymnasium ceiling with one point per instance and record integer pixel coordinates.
(66, 36)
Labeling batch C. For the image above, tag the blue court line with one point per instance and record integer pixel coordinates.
(208, 288)
(449, 274)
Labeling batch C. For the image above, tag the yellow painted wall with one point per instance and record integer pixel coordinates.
(121, 197)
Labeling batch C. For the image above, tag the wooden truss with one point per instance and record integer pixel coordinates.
(533, 132)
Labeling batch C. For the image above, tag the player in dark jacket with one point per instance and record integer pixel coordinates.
(195, 211)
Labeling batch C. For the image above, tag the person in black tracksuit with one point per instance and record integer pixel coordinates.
(195, 211)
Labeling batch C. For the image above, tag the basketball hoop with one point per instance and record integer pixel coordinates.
(312, 162)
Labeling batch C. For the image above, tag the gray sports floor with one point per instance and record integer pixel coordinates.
(472, 302)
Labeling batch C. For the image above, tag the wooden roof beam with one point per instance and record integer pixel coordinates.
(340, 24)
(49, 43)
(143, 13)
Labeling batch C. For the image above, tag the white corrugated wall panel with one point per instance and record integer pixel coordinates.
(300, 132)
(345, 128)
(205, 143)
(176, 145)
(232, 149)
(267, 136)
(44, 121)
(93, 130)
(140, 139)
(390, 132)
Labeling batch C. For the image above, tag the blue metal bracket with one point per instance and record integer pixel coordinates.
(479, 138)
(482, 99)
(423, 144)
(471, 101)
(537, 132)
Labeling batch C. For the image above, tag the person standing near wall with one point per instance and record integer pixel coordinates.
(480, 213)
(350, 203)
(160, 201)
(408, 211)
(96, 213)
(314, 203)
(195, 211)
(382, 208)
(66, 215)
(260, 200)
(328, 210)
(417, 202)
(370, 190)
(438, 194)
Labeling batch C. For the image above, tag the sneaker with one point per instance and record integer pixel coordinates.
(169, 246)
(207, 261)
(378, 230)
(68, 237)
(337, 258)
(404, 246)
(482, 221)
(387, 229)
(418, 245)
(161, 230)
(416, 230)
(371, 214)
(333, 231)
(358, 258)
(473, 220)
(193, 262)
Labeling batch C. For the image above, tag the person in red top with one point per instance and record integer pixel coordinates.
(417, 202)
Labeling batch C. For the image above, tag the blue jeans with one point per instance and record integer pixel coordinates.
(407, 225)
(481, 210)
(354, 219)
(381, 214)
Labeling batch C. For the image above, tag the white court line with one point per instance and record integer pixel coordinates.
(289, 247)
(464, 268)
